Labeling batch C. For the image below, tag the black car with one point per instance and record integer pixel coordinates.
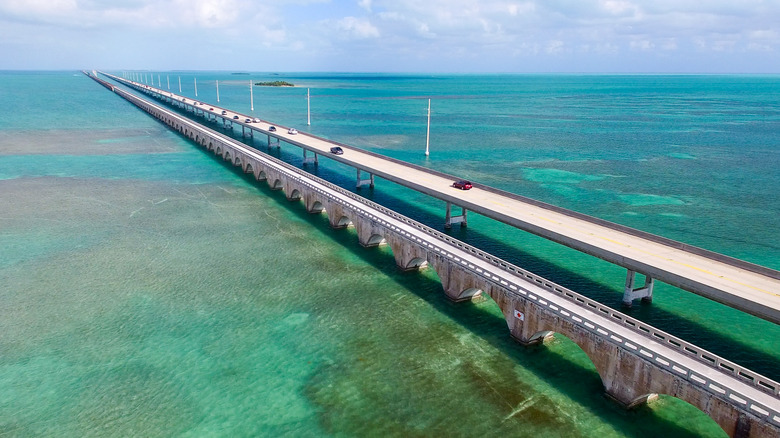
(336, 150)
(272, 128)
(235, 117)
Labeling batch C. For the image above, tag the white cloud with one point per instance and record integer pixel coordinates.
(450, 32)
(357, 28)
(555, 47)
(619, 7)
(365, 4)
(209, 13)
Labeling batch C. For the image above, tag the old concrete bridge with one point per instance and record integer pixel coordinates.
(634, 360)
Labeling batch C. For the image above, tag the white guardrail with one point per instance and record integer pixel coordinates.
(764, 384)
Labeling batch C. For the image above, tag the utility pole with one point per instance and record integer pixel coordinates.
(428, 135)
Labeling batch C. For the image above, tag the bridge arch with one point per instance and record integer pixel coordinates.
(295, 195)
(415, 263)
(461, 285)
(408, 255)
(237, 161)
(469, 293)
(277, 184)
(316, 207)
(226, 156)
(261, 176)
(723, 415)
(698, 421)
(340, 222)
(248, 168)
(375, 240)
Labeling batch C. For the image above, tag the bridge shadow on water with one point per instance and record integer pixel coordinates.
(570, 374)
(692, 331)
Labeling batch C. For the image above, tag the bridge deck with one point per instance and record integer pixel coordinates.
(711, 275)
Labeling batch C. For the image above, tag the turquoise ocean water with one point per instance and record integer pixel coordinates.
(146, 289)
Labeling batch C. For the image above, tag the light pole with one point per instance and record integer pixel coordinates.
(428, 135)
(308, 107)
(217, 90)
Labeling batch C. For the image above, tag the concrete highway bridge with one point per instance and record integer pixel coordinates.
(635, 361)
(745, 286)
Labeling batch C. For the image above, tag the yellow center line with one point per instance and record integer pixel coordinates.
(617, 242)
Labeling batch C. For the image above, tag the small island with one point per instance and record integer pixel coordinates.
(274, 84)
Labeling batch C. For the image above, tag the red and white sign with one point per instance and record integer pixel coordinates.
(519, 315)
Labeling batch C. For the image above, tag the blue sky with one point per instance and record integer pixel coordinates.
(459, 36)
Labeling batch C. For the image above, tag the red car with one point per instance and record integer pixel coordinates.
(462, 184)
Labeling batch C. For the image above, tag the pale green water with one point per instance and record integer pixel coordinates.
(148, 290)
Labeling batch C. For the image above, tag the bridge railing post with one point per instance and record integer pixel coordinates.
(645, 292)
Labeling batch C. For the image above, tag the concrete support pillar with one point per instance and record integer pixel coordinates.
(365, 182)
(312, 202)
(458, 284)
(369, 234)
(408, 255)
(310, 160)
(273, 142)
(526, 322)
(449, 219)
(631, 293)
(337, 216)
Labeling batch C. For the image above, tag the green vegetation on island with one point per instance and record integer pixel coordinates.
(274, 84)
